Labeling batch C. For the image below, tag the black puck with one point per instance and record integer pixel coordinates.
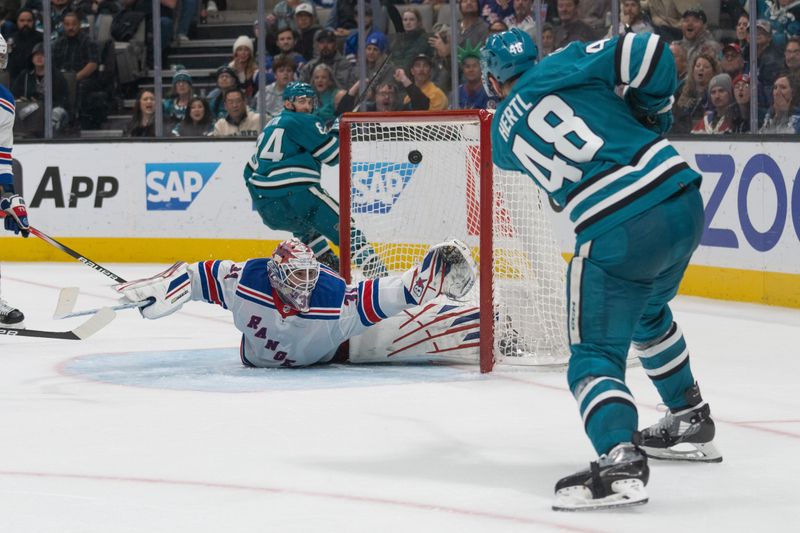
(414, 156)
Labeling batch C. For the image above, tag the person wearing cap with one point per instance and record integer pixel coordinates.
(306, 25)
(28, 88)
(732, 62)
(471, 93)
(344, 72)
(282, 15)
(666, 16)
(769, 57)
(378, 67)
(719, 118)
(175, 106)
(784, 113)
(226, 79)
(422, 86)
(696, 37)
(244, 63)
(741, 96)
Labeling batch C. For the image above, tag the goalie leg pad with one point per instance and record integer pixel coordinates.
(168, 290)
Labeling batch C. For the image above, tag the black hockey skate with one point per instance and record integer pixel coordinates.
(616, 479)
(11, 317)
(683, 435)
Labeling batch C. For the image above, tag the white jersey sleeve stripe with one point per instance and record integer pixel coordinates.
(652, 45)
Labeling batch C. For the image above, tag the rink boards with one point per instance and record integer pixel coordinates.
(163, 201)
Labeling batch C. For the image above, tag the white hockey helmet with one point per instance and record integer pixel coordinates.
(294, 272)
(3, 53)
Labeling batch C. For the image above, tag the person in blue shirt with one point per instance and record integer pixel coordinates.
(471, 93)
(636, 210)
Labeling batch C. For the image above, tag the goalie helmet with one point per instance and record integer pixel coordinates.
(507, 55)
(294, 272)
(3, 53)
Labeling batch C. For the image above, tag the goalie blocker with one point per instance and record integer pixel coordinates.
(292, 311)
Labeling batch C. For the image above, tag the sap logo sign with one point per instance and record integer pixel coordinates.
(174, 186)
(377, 186)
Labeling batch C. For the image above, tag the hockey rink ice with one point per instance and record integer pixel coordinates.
(154, 426)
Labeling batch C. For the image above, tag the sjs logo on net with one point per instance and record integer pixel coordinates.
(377, 186)
(174, 186)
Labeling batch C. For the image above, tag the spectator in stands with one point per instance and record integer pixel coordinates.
(58, 8)
(719, 118)
(21, 45)
(244, 64)
(422, 85)
(197, 122)
(166, 22)
(187, 14)
(240, 121)
(286, 40)
(769, 57)
(440, 43)
(76, 53)
(351, 41)
(783, 116)
(681, 62)
(282, 16)
(742, 31)
(548, 39)
(471, 93)
(328, 95)
(306, 29)
(142, 123)
(226, 80)
(632, 19)
(696, 37)
(386, 98)
(375, 58)
(285, 70)
(741, 94)
(28, 90)
(732, 62)
(175, 106)
(594, 13)
(667, 16)
(494, 10)
(344, 73)
(784, 16)
(571, 28)
(499, 26)
(472, 29)
(691, 103)
(411, 42)
(791, 56)
(343, 17)
(521, 17)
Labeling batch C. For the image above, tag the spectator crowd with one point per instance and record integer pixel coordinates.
(407, 54)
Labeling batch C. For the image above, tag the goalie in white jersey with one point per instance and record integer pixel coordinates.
(294, 312)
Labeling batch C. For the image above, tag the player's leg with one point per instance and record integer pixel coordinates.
(687, 431)
(10, 317)
(324, 219)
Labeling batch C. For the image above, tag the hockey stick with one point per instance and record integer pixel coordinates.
(69, 251)
(370, 83)
(68, 297)
(98, 321)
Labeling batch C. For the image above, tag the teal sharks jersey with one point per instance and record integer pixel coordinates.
(290, 151)
(565, 127)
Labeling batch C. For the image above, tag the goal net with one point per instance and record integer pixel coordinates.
(410, 180)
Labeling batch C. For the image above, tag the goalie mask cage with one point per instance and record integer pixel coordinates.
(409, 180)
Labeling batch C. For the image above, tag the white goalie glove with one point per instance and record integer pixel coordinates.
(447, 268)
(167, 291)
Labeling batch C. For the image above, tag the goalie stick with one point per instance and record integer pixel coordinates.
(69, 251)
(98, 321)
(68, 297)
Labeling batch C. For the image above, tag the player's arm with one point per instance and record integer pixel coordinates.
(645, 66)
(209, 281)
(323, 145)
(13, 205)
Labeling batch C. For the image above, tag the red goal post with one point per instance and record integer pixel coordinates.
(410, 179)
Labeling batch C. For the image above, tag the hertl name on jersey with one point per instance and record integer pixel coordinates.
(511, 114)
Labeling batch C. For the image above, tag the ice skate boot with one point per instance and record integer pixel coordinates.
(616, 479)
(11, 317)
(684, 435)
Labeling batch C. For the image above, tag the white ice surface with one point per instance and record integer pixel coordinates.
(155, 427)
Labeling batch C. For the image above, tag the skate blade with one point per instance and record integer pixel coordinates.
(686, 451)
(627, 493)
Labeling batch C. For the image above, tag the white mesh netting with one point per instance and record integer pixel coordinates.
(417, 182)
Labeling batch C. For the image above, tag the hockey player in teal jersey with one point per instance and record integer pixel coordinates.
(283, 177)
(637, 214)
